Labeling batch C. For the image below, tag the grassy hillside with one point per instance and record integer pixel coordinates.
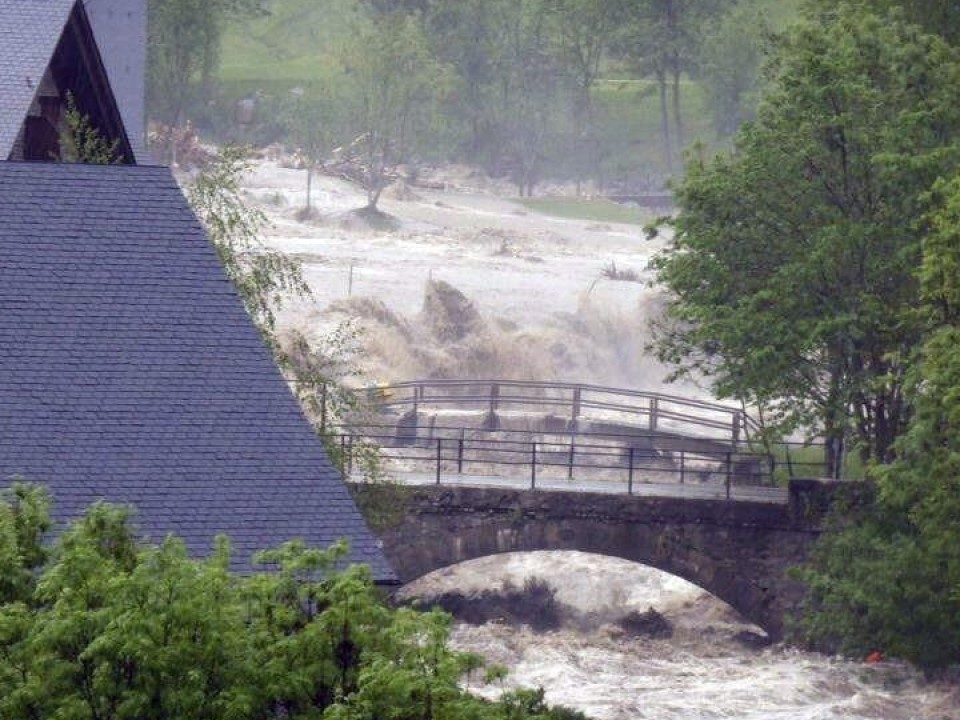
(291, 46)
(288, 46)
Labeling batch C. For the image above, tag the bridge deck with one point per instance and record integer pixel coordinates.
(689, 491)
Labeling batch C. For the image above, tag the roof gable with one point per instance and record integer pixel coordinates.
(130, 371)
(28, 35)
(47, 50)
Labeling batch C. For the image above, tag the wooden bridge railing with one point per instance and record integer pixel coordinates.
(575, 402)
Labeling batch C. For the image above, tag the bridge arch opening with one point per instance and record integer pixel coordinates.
(589, 592)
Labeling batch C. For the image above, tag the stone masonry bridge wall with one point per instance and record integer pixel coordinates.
(738, 551)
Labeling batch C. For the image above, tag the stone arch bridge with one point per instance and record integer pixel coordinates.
(737, 550)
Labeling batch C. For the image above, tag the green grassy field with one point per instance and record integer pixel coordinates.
(598, 210)
(289, 46)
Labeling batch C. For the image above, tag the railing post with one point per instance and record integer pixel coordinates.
(439, 457)
(736, 428)
(460, 454)
(494, 397)
(630, 472)
(729, 471)
(533, 465)
(343, 453)
(575, 408)
(350, 457)
(683, 465)
(570, 462)
(654, 411)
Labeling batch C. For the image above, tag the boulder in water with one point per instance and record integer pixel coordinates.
(648, 624)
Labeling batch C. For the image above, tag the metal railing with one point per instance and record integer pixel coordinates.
(533, 458)
(574, 403)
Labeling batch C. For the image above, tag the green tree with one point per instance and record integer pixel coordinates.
(110, 630)
(24, 518)
(529, 84)
(395, 87)
(891, 581)
(937, 17)
(184, 49)
(729, 65)
(82, 142)
(462, 34)
(583, 30)
(314, 127)
(263, 277)
(510, 80)
(791, 276)
(661, 39)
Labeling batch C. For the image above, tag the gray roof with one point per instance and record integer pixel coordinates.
(120, 27)
(29, 31)
(129, 370)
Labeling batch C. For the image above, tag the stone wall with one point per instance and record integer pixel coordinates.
(739, 551)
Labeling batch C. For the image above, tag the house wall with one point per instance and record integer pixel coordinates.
(120, 27)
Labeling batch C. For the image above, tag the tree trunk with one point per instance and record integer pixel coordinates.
(835, 418)
(833, 456)
(674, 64)
(309, 185)
(581, 120)
(677, 118)
(373, 197)
(665, 134)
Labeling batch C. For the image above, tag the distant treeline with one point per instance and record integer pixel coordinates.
(607, 91)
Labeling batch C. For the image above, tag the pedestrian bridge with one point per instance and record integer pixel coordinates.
(571, 429)
(737, 549)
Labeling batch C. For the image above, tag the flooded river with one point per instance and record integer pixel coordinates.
(704, 670)
(552, 313)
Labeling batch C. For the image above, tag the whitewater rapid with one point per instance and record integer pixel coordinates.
(539, 281)
(702, 672)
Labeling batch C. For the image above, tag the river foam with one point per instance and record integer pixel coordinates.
(702, 672)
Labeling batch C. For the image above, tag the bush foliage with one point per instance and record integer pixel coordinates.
(99, 627)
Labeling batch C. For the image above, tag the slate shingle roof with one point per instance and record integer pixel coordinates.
(129, 370)
(120, 27)
(29, 31)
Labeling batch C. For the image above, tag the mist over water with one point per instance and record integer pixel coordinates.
(701, 672)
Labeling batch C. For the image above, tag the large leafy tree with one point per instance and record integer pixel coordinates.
(660, 39)
(791, 275)
(24, 518)
(396, 85)
(104, 629)
(528, 79)
(462, 33)
(583, 31)
(940, 17)
(892, 580)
